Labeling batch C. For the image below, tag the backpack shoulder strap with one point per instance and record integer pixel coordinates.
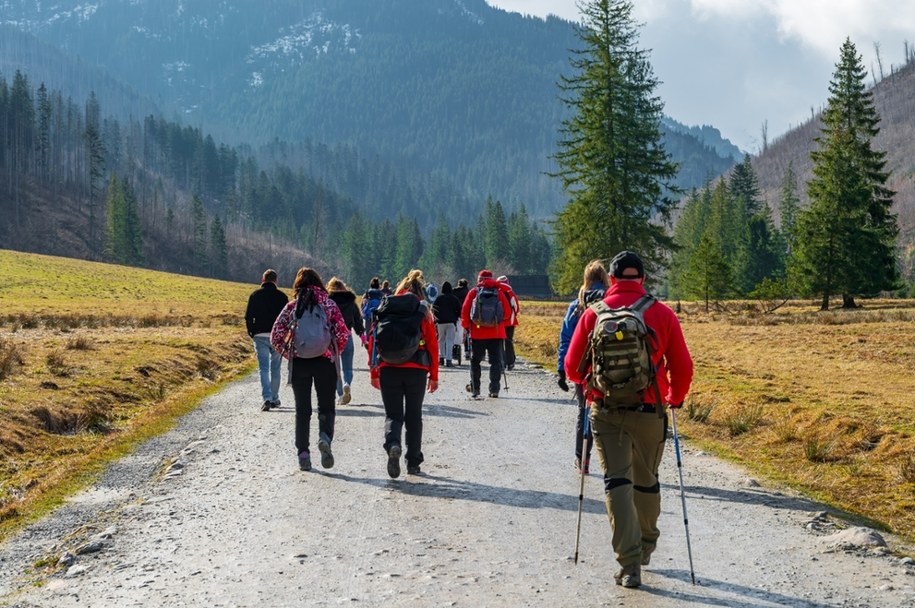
(643, 303)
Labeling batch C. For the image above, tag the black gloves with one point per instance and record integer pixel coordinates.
(562, 381)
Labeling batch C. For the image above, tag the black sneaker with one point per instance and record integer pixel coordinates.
(267, 405)
(275, 403)
(305, 461)
(394, 461)
(494, 395)
(413, 469)
(327, 458)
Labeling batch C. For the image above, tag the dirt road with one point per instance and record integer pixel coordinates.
(216, 513)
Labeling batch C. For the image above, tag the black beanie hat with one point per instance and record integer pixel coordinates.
(624, 260)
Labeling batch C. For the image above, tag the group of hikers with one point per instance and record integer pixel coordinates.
(622, 350)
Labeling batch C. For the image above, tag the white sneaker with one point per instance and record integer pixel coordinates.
(340, 400)
(347, 395)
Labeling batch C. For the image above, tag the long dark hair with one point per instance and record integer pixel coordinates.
(305, 278)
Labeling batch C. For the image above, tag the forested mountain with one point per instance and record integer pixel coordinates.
(158, 194)
(894, 99)
(453, 95)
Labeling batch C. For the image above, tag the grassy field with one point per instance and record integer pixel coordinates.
(95, 358)
(821, 401)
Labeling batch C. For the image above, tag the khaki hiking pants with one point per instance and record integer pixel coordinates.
(630, 444)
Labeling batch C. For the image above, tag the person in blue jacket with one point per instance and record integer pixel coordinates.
(594, 283)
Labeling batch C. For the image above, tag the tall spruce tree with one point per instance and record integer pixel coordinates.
(846, 237)
(611, 158)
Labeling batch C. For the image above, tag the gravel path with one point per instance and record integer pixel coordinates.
(216, 513)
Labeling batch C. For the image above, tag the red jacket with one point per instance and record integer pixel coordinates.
(672, 358)
(429, 342)
(486, 333)
(513, 303)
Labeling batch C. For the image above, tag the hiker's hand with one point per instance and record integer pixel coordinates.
(376, 383)
(562, 381)
(675, 406)
(365, 342)
(433, 385)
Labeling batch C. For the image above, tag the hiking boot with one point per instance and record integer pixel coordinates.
(441, 360)
(494, 395)
(578, 468)
(327, 458)
(267, 405)
(275, 403)
(469, 388)
(413, 469)
(647, 550)
(448, 363)
(629, 576)
(305, 461)
(394, 461)
(347, 394)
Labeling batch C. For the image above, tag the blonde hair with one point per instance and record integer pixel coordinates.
(335, 284)
(594, 273)
(414, 283)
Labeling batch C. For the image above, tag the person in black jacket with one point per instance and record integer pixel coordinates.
(264, 305)
(447, 312)
(460, 292)
(345, 299)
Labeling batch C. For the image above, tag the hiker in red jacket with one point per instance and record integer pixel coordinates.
(485, 312)
(630, 437)
(403, 385)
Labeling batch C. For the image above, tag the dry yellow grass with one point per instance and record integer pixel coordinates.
(93, 359)
(823, 402)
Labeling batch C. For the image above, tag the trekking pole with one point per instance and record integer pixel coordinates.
(689, 551)
(504, 374)
(581, 488)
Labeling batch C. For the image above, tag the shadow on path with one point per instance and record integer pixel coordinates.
(750, 597)
(446, 487)
(753, 497)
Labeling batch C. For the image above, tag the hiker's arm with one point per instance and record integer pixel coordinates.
(678, 361)
(249, 318)
(565, 336)
(465, 312)
(577, 347)
(280, 333)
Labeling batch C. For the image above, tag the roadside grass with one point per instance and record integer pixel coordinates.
(819, 401)
(95, 359)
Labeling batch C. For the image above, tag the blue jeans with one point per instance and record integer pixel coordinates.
(346, 362)
(269, 363)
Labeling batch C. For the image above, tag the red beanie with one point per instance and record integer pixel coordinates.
(484, 274)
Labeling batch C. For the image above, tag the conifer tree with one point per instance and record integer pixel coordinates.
(219, 252)
(95, 160)
(846, 238)
(116, 246)
(611, 158)
(495, 234)
(789, 207)
(199, 226)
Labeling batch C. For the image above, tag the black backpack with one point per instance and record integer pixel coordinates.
(397, 328)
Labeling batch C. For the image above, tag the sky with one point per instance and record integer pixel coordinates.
(740, 64)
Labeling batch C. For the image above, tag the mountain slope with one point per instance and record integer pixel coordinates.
(454, 88)
(894, 98)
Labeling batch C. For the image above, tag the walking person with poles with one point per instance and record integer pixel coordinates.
(484, 314)
(595, 282)
(629, 351)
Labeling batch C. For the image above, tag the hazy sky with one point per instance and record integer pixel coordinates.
(737, 63)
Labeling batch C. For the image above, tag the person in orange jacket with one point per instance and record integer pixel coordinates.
(630, 437)
(403, 386)
(485, 312)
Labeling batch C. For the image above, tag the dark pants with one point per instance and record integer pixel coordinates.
(402, 392)
(323, 373)
(579, 426)
(509, 346)
(482, 348)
